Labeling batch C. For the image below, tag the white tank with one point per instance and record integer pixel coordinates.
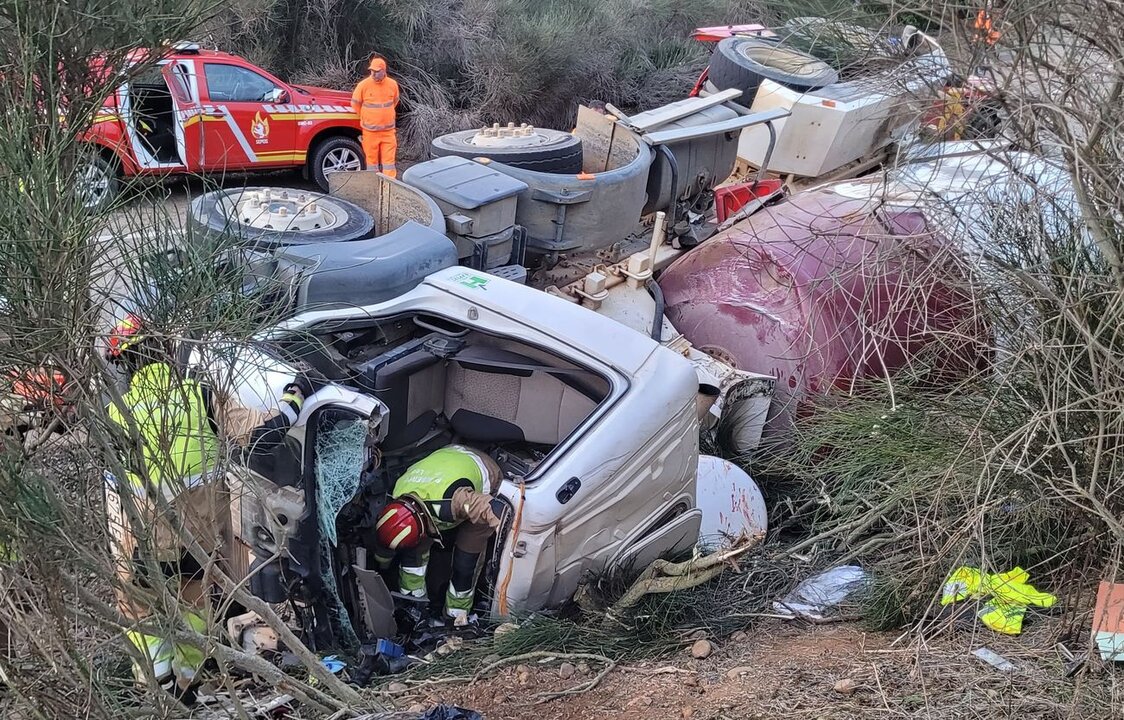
(730, 501)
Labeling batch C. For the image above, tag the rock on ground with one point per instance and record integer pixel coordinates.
(701, 649)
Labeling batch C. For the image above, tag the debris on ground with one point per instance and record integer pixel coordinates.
(845, 686)
(816, 597)
(730, 501)
(451, 712)
(1108, 621)
(334, 664)
(994, 659)
(1007, 594)
(504, 628)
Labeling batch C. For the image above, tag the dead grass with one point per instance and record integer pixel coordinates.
(467, 64)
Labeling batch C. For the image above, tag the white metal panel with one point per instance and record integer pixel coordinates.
(841, 123)
(515, 310)
(652, 119)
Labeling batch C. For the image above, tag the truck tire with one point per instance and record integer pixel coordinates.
(539, 149)
(97, 182)
(742, 62)
(338, 153)
(307, 217)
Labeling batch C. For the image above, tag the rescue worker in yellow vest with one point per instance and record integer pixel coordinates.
(376, 101)
(179, 451)
(450, 489)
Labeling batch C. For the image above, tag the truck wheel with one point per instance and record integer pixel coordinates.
(97, 182)
(531, 148)
(742, 62)
(335, 154)
(274, 217)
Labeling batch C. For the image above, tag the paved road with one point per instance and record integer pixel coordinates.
(148, 203)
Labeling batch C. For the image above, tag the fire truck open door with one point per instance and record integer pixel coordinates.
(184, 86)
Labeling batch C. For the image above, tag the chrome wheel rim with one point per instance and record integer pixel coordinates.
(341, 160)
(93, 184)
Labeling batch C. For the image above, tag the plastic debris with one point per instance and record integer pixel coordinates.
(1007, 595)
(451, 712)
(389, 648)
(1108, 621)
(334, 664)
(995, 660)
(816, 596)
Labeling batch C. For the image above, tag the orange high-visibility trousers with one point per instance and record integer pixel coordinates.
(381, 149)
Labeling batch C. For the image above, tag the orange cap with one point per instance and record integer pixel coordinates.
(377, 64)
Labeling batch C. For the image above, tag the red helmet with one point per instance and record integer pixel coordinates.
(400, 526)
(124, 335)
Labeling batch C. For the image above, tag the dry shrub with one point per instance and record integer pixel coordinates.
(462, 65)
(62, 266)
(1019, 464)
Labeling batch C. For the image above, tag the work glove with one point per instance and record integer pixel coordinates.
(499, 509)
(293, 397)
(302, 384)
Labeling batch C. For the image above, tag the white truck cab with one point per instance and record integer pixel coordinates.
(593, 424)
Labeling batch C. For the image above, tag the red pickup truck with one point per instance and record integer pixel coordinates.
(203, 111)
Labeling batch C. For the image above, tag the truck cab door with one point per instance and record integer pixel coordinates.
(238, 130)
(284, 506)
(141, 105)
(183, 82)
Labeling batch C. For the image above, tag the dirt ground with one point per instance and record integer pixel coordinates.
(783, 669)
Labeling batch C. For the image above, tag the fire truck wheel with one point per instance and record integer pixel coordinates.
(274, 217)
(97, 182)
(530, 148)
(335, 154)
(743, 62)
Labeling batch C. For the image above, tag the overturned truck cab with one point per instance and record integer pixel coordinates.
(597, 442)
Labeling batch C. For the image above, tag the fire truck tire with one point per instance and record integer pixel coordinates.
(97, 182)
(743, 62)
(335, 154)
(223, 213)
(542, 150)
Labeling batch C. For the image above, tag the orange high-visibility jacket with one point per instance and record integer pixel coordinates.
(375, 101)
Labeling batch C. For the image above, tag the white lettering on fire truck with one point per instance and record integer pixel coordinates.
(291, 109)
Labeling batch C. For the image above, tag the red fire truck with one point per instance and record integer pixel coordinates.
(210, 112)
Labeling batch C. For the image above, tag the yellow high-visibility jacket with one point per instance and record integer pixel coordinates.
(171, 417)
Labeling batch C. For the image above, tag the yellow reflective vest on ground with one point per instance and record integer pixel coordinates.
(171, 418)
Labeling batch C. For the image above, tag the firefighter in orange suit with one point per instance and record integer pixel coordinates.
(375, 100)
